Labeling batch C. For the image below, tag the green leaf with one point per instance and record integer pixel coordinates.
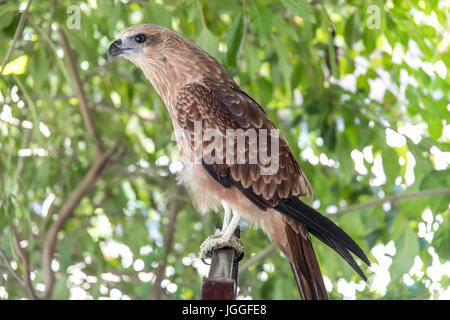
(61, 290)
(330, 136)
(284, 60)
(260, 21)
(413, 208)
(284, 28)
(66, 252)
(17, 66)
(435, 179)
(423, 165)
(369, 38)
(352, 29)
(157, 14)
(345, 161)
(406, 245)
(234, 40)
(441, 239)
(128, 191)
(114, 17)
(428, 31)
(332, 56)
(300, 8)
(435, 127)
(252, 61)
(391, 166)
(143, 290)
(352, 223)
(7, 14)
(207, 41)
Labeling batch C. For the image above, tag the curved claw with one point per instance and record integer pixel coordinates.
(239, 255)
(205, 255)
(204, 261)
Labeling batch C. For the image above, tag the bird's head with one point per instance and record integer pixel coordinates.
(140, 42)
(167, 59)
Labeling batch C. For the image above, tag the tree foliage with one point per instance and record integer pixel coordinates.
(88, 161)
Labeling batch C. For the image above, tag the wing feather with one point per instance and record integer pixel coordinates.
(225, 106)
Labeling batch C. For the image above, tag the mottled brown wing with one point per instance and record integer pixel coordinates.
(222, 106)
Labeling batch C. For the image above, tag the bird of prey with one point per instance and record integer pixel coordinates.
(204, 102)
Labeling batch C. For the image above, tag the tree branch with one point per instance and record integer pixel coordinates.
(202, 16)
(169, 231)
(13, 272)
(412, 195)
(110, 108)
(65, 213)
(79, 90)
(257, 257)
(89, 180)
(23, 255)
(16, 37)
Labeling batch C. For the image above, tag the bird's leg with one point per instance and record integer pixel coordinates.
(229, 230)
(223, 238)
(227, 215)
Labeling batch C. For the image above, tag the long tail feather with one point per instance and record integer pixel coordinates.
(325, 230)
(342, 251)
(305, 266)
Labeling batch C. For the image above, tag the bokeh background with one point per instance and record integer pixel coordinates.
(89, 207)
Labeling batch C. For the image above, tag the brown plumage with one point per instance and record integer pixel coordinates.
(196, 89)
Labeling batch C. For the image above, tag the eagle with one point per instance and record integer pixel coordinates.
(233, 156)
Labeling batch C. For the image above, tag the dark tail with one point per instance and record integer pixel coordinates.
(305, 266)
(325, 230)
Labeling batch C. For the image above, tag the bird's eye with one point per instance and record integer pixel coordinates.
(139, 38)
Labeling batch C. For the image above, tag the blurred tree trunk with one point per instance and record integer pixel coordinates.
(172, 213)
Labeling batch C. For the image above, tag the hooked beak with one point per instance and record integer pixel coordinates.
(115, 49)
